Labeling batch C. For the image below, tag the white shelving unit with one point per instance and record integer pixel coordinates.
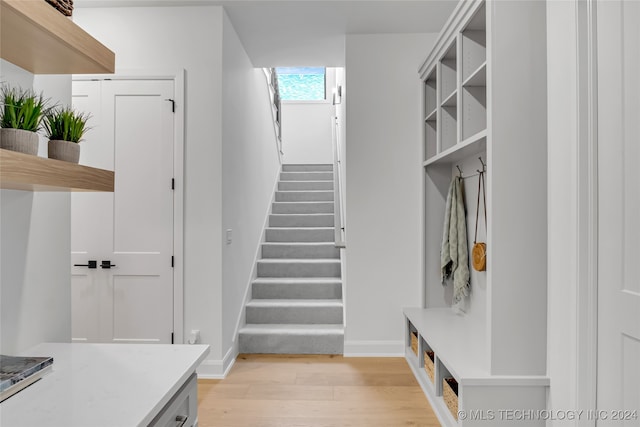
(485, 96)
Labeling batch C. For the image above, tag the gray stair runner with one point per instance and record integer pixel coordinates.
(296, 300)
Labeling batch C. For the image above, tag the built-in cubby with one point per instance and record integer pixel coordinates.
(474, 43)
(449, 72)
(490, 116)
(431, 115)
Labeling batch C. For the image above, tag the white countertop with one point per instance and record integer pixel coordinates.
(102, 385)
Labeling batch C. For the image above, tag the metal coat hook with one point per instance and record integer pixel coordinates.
(484, 166)
(459, 171)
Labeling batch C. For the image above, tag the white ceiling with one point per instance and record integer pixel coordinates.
(311, 32)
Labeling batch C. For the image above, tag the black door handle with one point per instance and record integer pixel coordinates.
(91, 264)
(107, 264)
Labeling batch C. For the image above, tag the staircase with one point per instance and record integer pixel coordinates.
(296, 305)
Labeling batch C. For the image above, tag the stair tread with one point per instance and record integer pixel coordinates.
(305, 191)
(305, 202)
(298, 228)
(300, 243)
(301, 214)
(293, 329)
(294, 280)
(295, 303)
(299, 260)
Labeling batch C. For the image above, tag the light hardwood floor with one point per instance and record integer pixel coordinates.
(314, 391)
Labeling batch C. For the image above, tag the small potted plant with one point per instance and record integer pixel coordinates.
(65, 128)
(21, 116)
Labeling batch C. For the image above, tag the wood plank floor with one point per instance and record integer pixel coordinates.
(314, 391)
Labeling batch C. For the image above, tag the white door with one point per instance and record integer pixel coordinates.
(618, 49)
(131, 229)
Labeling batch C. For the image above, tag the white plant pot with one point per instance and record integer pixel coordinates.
(64, 150)
(23, 141)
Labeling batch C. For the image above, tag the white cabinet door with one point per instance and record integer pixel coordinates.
(618, 212)
(132, 228)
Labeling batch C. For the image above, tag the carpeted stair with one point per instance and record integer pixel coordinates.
(296, 305)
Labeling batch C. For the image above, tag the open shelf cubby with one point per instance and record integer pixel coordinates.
(430, 94)
(491, 107)
(431, 138)
(474, 110)
(474, 43)
(449, 127)
(449, 72)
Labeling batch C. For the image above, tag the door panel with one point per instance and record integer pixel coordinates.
(132, 227)
(618, 209)
(84, 303)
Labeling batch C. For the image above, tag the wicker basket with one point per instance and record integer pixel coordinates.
(64, 6)
(429, 357)
(450, 395)
(414, 342)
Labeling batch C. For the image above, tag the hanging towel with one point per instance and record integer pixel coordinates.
(454, 254)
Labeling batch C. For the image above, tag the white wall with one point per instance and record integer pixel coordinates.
(35, 236)
(383, 188)
(249, 174)
(306, 132)
(168, 39)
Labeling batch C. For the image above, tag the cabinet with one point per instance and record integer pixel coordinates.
(106, 385)
(484, 96)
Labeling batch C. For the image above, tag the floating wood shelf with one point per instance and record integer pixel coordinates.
(20, 171)
(38, 38)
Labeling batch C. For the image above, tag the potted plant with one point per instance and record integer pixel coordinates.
(20, 119)
(65, 128)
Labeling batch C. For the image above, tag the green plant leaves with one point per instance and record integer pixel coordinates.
(24, 109)
(21, 109)
(66, 124)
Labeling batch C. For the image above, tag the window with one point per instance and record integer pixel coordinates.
(301, 83)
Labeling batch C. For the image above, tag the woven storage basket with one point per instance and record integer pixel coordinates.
(450, 395)
(414, 342)
(429, 357)
(64, 6)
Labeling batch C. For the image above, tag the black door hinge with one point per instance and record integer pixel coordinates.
(172, 261)
(173, 104)
(171, 337)
(173, 183)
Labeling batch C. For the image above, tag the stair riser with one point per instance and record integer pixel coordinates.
(304, 196)
(322, 220)
(299, 269)
(303, 208)
(300, 251)
(291, 344)
(296, 291)
(307, 168)
(294, 315)
(306, 176)
(305, 185)
(300, 235)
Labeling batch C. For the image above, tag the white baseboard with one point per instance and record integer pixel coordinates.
(213, 369)
(374, 348)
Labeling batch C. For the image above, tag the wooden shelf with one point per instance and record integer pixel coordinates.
(19, 171)
(469, 146)
(38, 38)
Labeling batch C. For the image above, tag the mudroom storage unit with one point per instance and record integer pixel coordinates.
(484, 105)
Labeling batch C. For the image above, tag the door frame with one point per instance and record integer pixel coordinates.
(586, 196)
(178, 78)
